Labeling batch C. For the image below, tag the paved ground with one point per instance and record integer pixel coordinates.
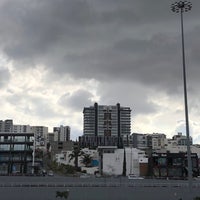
(44, 188)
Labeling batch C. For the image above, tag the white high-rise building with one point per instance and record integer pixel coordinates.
(21, 128)
(102, 120)
(62, 133)
(105, 125)
(40, 133)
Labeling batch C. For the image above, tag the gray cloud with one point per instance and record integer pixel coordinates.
(132, 48)
(96, 40)
(32, 105)
(4, 77)
(77, 100)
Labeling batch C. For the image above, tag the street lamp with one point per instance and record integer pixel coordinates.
(181, 7)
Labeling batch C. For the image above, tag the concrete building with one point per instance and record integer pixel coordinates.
(62, 133)
(21, 128)
(102, 123)
(172, 165)
(40, 133)
(16, 151)
(181, 139)
(158, 141)
(112, 161)
(6, 126)
(64, 158)
(57, 147)
(141, 141)
(50, 138)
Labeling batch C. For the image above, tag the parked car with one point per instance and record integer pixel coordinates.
(43, 172)
(98, 175)
(50, 173)
(133, 176)
(84, 176)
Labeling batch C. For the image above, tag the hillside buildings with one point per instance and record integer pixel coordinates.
(107, 138)
(20, 146)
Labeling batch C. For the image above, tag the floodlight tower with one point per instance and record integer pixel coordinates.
(181, 7)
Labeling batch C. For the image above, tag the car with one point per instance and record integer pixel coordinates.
(43, 172)
(50, 173)
(98, 175)
(84, 176)
(133, 176)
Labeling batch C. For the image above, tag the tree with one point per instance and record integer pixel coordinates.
(75, 154)
(86, 159)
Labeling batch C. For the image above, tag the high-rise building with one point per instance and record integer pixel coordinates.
(6, 126)
(21, 128)
(106, 124)
(61, 133)
(40, 133)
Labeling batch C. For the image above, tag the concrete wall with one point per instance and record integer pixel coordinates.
(113, 162)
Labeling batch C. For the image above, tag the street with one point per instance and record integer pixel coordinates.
(36, 188)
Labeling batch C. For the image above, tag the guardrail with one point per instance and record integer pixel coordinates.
(100, 184)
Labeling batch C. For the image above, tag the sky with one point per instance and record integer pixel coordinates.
(59, 56)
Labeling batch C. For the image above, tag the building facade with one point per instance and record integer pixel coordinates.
(102, 123)
(16, 151)
(141, 141)
(112, 160)
(6, 126)
(172, 165)
(181, 139)
(40, 133)
(62, 133)
(21, 128)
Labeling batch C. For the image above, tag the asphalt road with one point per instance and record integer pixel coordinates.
(44, 188)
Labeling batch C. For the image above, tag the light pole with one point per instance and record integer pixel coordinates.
(33, 154)
(181, 7)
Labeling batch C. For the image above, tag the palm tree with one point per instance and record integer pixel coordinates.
(74, 155)
(86, 159)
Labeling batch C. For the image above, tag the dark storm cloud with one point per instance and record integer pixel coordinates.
(77, 100)
(105, 40)
(128, 94)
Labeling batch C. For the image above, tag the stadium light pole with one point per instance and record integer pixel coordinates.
(181, 7)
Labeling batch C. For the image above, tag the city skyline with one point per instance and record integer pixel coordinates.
(57, 57)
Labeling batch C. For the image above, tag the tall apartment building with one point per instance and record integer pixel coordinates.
(40, 133)
(21, 128)
(62, 133)
(6, 126)
(105, 125)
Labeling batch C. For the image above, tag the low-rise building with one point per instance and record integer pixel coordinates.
(172, 165)
(113, 160)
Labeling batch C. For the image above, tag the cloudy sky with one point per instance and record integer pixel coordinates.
(59, 56)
